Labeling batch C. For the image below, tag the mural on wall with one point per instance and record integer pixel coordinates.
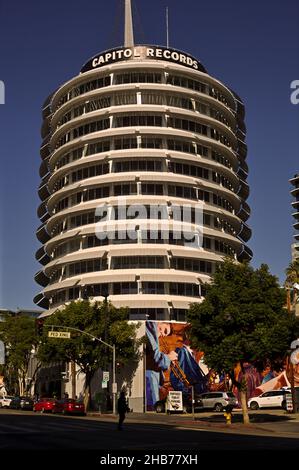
(260, 382)
(170, 362)
(172, 365)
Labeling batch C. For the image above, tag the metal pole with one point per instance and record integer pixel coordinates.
(167, 28)
(73, 374)
(113, 385)
(193, 402)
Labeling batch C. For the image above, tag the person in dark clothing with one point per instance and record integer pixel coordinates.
(122, 409)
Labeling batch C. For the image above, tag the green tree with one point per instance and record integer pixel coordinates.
(102, 320)
(19, 336)
(242, 320)
(292, 273)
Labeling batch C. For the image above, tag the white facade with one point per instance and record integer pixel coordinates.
(149, 131)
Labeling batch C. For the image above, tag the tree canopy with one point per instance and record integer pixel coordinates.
(242, 319)
(102, 320)
(19, 336)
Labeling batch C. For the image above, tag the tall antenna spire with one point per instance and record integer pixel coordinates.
(167, 28)
(129, 34)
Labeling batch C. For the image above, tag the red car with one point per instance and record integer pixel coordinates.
(44, 404)
(69, 406)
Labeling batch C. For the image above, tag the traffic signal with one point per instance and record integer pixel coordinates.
(39, 324)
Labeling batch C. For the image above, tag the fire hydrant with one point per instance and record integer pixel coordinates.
(228, 414)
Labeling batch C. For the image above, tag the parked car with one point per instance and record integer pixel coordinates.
(21, 403)
(5, 402)
(271, 399)
(217, 401)
(44, 404)
(69, 406)
(205, 401)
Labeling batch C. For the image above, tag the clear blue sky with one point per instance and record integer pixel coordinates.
(252, 46)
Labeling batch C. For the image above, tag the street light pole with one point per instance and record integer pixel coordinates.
(103, 342)
(114, 382)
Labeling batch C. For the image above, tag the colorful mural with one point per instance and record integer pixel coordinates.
(170, 362)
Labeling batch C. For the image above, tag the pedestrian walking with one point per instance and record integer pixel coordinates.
(122, 409)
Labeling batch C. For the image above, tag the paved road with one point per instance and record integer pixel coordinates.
(25, 430)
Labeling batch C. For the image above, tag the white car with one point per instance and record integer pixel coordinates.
(5, 402)
(271, 399)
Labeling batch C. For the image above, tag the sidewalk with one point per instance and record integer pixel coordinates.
(261, 422)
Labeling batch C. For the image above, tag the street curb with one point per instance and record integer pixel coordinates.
(195, 423)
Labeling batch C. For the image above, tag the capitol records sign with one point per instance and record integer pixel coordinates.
(142, 53)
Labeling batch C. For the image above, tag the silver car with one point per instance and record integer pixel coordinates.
(216, 401)
(5, 402)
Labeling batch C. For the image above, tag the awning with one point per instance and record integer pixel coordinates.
(185, 252)
(133, 250)
(63, 284)
(169, 276)
(139, 301)
(179, 303)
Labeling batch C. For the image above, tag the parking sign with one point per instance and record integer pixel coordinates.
(105, 376)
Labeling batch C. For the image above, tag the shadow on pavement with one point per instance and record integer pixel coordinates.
(238, 418)
(46, 432)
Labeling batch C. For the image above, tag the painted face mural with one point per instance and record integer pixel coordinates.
(170, 362)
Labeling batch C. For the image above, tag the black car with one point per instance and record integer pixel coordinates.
(22, 403)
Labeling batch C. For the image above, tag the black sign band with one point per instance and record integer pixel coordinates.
(142, 53)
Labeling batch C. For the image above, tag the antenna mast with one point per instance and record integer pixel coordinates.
(129, 34)
(167, 28)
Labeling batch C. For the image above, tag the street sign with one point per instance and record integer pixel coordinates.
(175, 401)
(59, 334)
(114, 387)
(105, 376)
(2, 353)
(104, 384)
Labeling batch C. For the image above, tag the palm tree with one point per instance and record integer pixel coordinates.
(292, 273)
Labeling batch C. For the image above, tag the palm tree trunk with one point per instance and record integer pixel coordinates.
(243, 397)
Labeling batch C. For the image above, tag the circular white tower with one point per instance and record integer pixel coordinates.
(147, 126)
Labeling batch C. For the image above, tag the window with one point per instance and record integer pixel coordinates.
(84, 88)
(153, 288)
(151, 143)
(187, 125)
(152, 98)
(179, 102)
(138, 77)
(125, 189)
(181, 146)
(124, 99)
(134, 262)
(138, 120)
(98, 147)
(124, 288)
(137, 165)
(125, 143)
(152, 189)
